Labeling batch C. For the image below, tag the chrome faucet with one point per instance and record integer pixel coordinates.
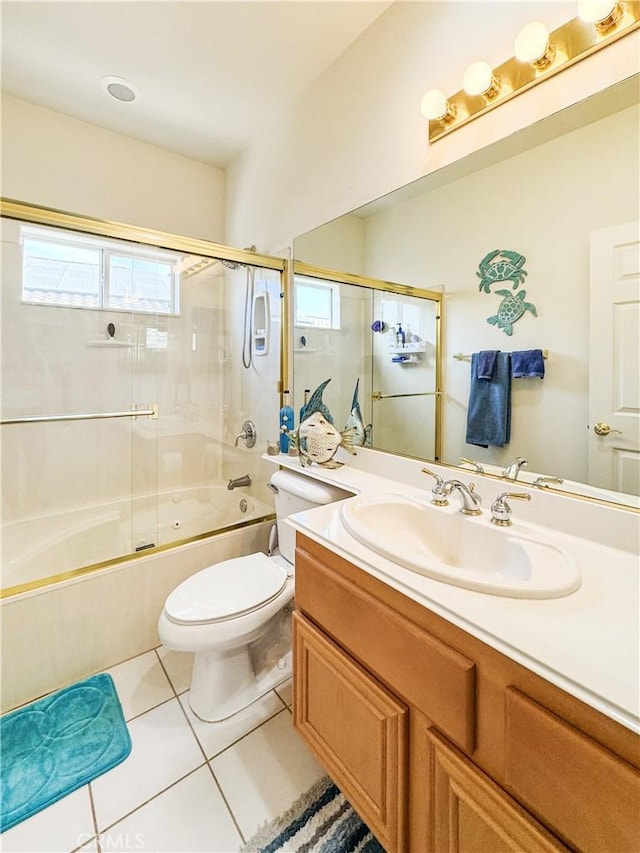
(239, 481)
(469, 500)
(500, 509)
(248, 434)
(513, 468)
(438, 497)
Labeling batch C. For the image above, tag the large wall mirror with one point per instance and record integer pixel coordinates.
(563, 197)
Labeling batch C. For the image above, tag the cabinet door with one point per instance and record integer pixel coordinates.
(357, 729)
(474, 815)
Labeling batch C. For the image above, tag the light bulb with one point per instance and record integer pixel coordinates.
(532, 45)
(603, 14)
(435, 107)
(479, 80)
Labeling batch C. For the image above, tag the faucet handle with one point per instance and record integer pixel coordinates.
(543, 482)
(438, 496)
(500, 509)
(248, 434)
(438, 478)
(476, 465)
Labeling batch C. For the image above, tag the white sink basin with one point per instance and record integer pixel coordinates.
(459, 550)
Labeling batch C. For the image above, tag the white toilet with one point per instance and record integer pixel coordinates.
(236, 615)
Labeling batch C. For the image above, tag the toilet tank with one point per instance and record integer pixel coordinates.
(295, 492)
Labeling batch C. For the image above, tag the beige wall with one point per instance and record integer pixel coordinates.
(57, 161)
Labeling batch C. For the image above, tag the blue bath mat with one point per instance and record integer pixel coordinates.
(57, 744)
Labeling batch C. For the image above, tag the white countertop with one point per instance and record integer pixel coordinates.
(587, 643)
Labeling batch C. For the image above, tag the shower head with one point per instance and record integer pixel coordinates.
(236, 265)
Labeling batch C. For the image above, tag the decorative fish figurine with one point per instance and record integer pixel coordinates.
(315, 403)
(318, 440)
(362, 435)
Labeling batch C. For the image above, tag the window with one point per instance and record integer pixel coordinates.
(66, 269)
(317, 303)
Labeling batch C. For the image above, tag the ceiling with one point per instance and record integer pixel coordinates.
(209, 74)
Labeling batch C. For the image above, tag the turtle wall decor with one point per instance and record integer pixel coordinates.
(511, 309)
(505, 265)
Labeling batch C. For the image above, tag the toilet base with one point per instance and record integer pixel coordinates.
(221, 686)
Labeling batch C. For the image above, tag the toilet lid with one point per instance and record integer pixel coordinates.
(226, 590)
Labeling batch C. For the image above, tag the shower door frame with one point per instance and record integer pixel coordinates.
(41, 215)
(376, 284)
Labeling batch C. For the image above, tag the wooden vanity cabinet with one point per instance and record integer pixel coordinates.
(440, 742)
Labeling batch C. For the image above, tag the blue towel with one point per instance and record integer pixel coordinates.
(487, 363)
(489, 411)
(527, 363)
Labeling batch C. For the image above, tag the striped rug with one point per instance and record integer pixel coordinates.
(321, 821)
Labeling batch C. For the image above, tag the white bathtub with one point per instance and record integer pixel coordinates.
(47, 545)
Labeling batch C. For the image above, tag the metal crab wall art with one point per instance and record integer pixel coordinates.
(501, 265)
(511, 309)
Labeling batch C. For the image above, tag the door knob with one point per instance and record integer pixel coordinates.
(604, 429)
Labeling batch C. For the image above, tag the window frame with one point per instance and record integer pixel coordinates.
(334, 321)
(107, 249)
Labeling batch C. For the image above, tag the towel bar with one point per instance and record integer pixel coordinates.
(150, 412)
(461, 356)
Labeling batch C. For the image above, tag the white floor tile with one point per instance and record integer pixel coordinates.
(214, 737)
(191, 816)
(141, 684)
(163, 750)
(179, 666)
(285, 692)
(265, 772)
(59, 828)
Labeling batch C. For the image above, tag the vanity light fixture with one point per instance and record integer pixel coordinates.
(532, 45)
(435, 106)
(603, 14)
(479, 79)
(539, 54)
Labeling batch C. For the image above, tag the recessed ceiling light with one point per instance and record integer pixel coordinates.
(119, 88)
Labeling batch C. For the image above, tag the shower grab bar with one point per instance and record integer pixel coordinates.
(151, 412)
(377, 395)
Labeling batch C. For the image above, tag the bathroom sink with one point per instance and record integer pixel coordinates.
(442, 543)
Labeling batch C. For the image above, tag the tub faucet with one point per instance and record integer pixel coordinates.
(469, 500)
(248, 435)
(513, 468)
(239, 481)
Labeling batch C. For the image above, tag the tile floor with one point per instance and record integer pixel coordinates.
(186, 785)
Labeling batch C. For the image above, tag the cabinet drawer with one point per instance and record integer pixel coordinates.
(357, 729)
(587, 795)
(423, 670)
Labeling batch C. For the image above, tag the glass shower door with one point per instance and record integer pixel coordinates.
(404, 375)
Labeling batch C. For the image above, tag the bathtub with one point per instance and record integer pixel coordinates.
(41, 547)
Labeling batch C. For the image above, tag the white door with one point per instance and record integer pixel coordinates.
(614, 359)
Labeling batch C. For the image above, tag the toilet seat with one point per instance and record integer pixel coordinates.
(226, 590)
